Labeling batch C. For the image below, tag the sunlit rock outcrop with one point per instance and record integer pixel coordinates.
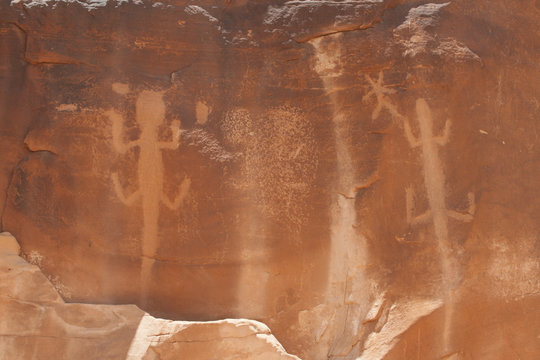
(35, 323)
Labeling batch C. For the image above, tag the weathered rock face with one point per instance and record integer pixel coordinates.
(360, 175)
(35, 323)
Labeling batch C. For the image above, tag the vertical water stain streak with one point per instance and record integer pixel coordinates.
(348, 249)
(276, 184)
(150, 114)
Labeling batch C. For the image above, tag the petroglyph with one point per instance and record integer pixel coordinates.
(150, 114)
(280, 178)
(435, 189)
(433, 175)
(434, 183)
(379, 91)
(202, 110)
(279, 182)
(427, 215)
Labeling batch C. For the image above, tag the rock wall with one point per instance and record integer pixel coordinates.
(359, 175)
(35, 323)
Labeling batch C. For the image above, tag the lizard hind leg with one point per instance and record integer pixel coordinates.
(410, 205)
(469, 215)
(129, 200)
(180, 197)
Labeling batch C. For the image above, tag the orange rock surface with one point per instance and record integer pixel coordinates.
(362, 176)
(35, 323)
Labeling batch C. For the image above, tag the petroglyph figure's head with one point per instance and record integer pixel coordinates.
(150, 109)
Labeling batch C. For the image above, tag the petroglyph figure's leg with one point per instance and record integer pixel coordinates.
(175, 142)
(391, 108)
(117, 131)
(370, 92)
(120, 193)
(443, 139)
(375, 114)
(469, 216)
(184, 188)
(422, 218)
(409, 203)
(413, 141)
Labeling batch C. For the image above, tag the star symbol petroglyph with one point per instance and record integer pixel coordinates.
(379, 91)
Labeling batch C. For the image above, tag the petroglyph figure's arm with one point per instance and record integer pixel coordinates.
(120, 193)
(443, 139)
(175, 142)
(409, 203)
(469, 216)
(366, 97)
(117, 132)
(421, 219)
(184, 188)
(372, 85)
(414, 142)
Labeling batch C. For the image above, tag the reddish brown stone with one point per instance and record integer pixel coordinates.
(356, 174)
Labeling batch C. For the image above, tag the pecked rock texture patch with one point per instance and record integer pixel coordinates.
(360, 175)
(35, 323)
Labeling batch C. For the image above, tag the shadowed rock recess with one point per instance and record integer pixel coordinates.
(362, 176)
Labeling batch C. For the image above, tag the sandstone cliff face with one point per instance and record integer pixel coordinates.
(362, 176)
(35, 323)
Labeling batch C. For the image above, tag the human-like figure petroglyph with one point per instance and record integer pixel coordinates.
(150, 113)
(433, 175)
(379, 91)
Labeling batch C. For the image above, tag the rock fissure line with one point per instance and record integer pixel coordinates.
(25, 32)
(209, 340)
(29, 148)
(8, 187)
(345, 29)
(30, 61)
